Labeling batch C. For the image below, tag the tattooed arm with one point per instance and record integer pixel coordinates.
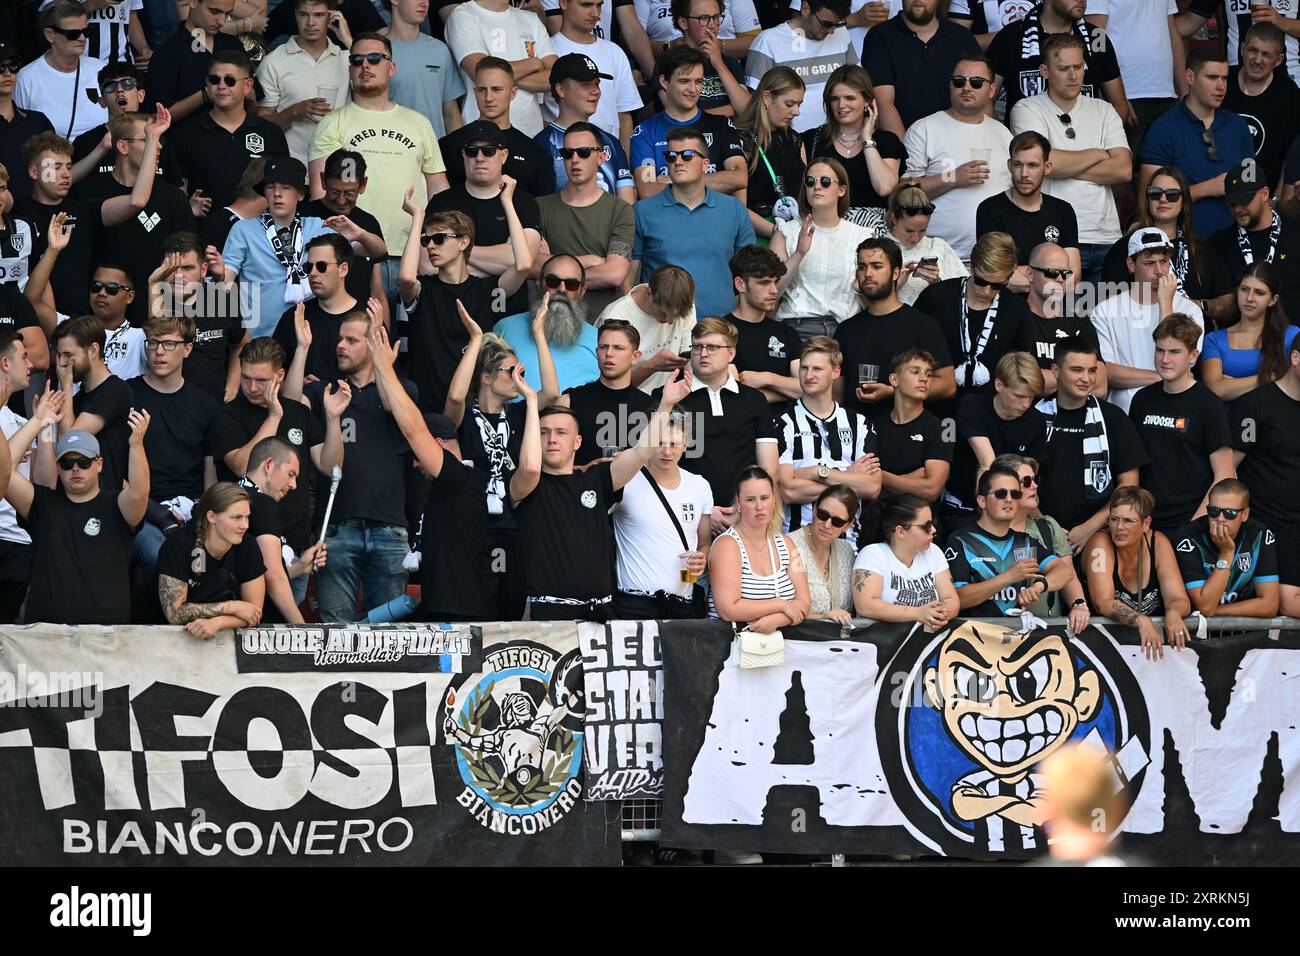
(202, 620)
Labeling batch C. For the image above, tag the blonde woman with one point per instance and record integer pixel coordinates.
(826, 557)
(773, 150)
(926, 259)
(210, 575)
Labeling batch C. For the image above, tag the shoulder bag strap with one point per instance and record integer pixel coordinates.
(659, 493)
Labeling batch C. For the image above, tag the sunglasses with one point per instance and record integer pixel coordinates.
(1003, 493)
(831, 25)
(473, 151)
(976, 82)
(216, 80)
(71, 34)
(826, 181)
(673, 155)
(509, 371)
(126, 85)
(927, 526)
(1170, 195)
(987, 283)
(554, 282)
(69, 462)
(1053, 273)
(112, 288)
(1229, 513)
(916, 210)
(584, 152)
(374, 59)
(1028, 481)
(1066, 122)
(836, 521)
(167, 345)
(438, 238)
(10, 66)
(1211, 147)
(320, 265)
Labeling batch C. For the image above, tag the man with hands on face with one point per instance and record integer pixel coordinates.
(1229, 561)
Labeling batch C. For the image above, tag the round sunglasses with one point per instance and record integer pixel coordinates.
(826, 181)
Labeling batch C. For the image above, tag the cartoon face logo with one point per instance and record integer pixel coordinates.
(588, 499)
(967, 715)
(294, 436)
(92, 527)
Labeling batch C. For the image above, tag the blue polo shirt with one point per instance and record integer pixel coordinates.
(700, 240)
(575, 365)
(1174, 139)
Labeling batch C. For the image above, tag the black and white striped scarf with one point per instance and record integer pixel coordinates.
(1096, 446)
(1029, 42)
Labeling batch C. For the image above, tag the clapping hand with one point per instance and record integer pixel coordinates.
(301, 327)
(336, 398)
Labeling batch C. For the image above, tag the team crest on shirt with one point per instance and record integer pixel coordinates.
(92, 527)
(18, 241)
(294, 436)
(1051, 234)
(1099, 474)
(1243, 561)
(254, 144)
(588, 499)
(846, 436)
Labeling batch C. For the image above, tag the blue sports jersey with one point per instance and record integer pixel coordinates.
(1255, 560)
(650, 140)
(975, 555)
(613, 174)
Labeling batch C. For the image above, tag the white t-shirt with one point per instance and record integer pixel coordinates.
(813, 60)
(739, 17)
(655, 335)
(824, 284)
(108, 39)
(43, 88)
(1124, 328)
(904, 586)
(1239, 10)
(1139, 30)
(937, 144)
(618, 95)
(124, 351)
(1096, 125)
(512, 34)
(649, 548)
(929, 247)
(11, 424)
(858, 35)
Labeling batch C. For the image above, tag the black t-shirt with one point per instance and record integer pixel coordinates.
(943, 300)
(70, 280)
(455, 567)
(766, 346)
(13, 133)
(212, 579)
(1063, 492)
(917, 70)
(724, 444)
(1273, 118)
(1204, 277)
(904, 448)
(374, 476)
(360, 16)
(177, 70)
(1054, 221)
(528, 161)
(238, 421)
(867, 339)
(264, 519)
(490, 229)
(1021, 76)
(713, 95)
(215, 227)
(1286, 256)
(1179, 432)
(1254, 562)
(81, 559)
(1265, 423)
(16, 313)
(359, 269)
(784, 153)
(564, 535)
(86, 143)
(436, 337)
(214, 336)
(213, 159)
(1041, 335)
(819, 142)
(491, 444)
(111, 400)
(607, 417)
(176, 441)
(977, 418)
(976, 555)
(322, 354)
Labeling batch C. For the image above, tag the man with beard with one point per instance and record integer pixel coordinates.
(910, 59)
(366, 537)
(101, 406)
(1026, 213)
(1049, 319)
(1264, 99)
(328, 263)
(1258, 234)
(481, 197)
(884, 329)
(572, 339)
(611, 410)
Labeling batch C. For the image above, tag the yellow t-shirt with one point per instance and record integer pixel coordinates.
(399, 147)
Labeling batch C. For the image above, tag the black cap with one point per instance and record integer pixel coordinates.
(440, 426)
(285, 170)
(1243, 181)
(576, 66)
(483, 130)
(9, 52)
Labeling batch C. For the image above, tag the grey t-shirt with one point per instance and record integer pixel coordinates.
(426, 78)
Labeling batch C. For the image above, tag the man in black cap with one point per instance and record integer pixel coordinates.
(1260, 234)
(16, 127)
(213, 149)
(479, 197)
(575, 84)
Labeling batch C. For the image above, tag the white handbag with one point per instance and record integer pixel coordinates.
(763, 650)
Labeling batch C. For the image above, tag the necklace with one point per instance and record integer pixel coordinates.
(851, 139)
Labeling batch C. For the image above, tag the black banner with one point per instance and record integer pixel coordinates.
(623, 671)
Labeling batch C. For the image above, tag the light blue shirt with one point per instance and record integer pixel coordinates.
(700, 240)
(574, 365)
(426, 78)
(263, 281)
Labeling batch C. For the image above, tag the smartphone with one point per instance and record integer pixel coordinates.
(929, 261)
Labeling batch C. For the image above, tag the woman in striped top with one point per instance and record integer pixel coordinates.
(752, 578)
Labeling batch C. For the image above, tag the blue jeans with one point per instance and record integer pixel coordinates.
(160, 21)
(148, 542)
(1092, 258)
(362, 555)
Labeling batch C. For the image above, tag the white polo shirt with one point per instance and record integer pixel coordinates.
(289, 74)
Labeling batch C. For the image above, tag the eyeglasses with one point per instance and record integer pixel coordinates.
(69, 462)
(830, 26)
(584, 152)
(1053, 273)
(473, 151)
(1211, 147)
(374, 59)
(926, 526)
(1028, 481)
(509, 371)
(438, 238)
(320, 265)
(702, 348)
(976, 82)
(836, 521)
(126, 84)
(707, 19)
(1066, 122)
(672, 155)
(826, 181)
(987, 283)
(10, 66)
(1170, 195)
(167, 345)
(216, 80)
(1002, 494)
(1230, 513)
(112, 288)
(554, 282)
(926, 210)
(71, 34)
